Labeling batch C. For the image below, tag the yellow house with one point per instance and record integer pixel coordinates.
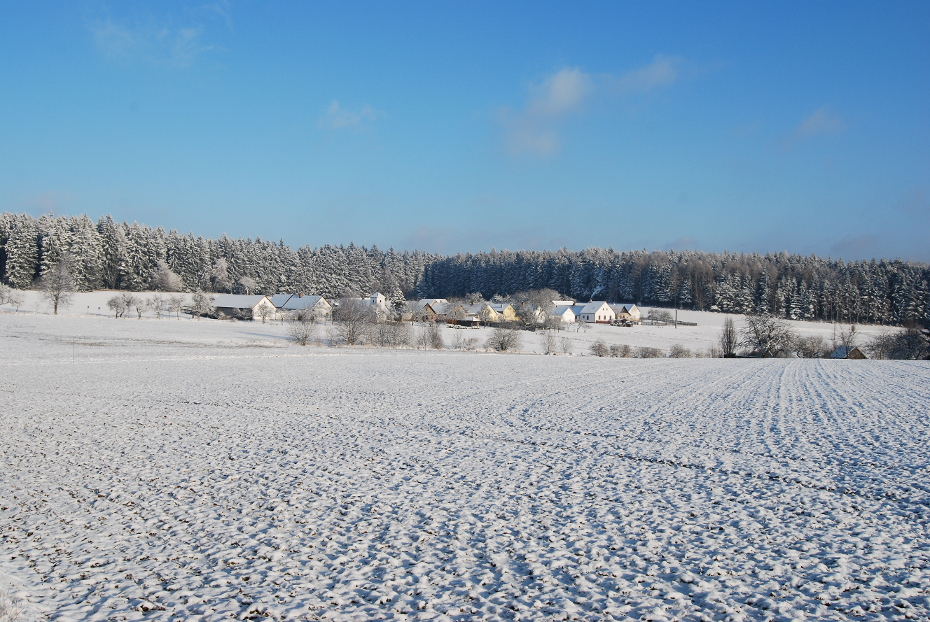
(505, 312)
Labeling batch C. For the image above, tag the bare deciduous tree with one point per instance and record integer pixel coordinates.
(352, 318)
(117, 305)
(766, 335)
(728, 338)
(265, 312)
(911, 343)
(434, 338)
(811, 347)
(678, 351)
(247, 284)
(219, 276)
(157, 304)
(10, 296)
(549, 345)
(599, 348)
(621, 350)
(645, 352)
(165, 280)
(660, 315)
(57, 285)
(504, 339)
(301, 330)
(201, 304)
(848, 337)
(176, 303)
(566, 345)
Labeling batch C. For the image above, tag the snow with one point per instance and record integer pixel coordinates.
(184, 469)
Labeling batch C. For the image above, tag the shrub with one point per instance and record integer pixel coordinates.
(301, 332)
(504, 339)
(599, 348)
(645, 352)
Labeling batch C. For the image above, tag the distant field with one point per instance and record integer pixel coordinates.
(76, 320)
(164, 469)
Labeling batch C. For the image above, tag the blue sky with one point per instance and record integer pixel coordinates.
(466, 126)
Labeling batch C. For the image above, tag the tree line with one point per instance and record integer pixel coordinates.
(788, 286)
(111, 255)
(116, 255)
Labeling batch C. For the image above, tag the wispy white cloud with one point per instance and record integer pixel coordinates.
(154, 42)
(337, 118)
(818, 123)
(533, 129)
(662, 72)
(560, 93)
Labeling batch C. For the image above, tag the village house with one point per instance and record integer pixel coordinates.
(431, 302)
(482, 312)
(243, 307)
(596, 311)
(448, 311)
(563, 313)
(629, 312)
(843, 352)
(317, 306)
(505, 312)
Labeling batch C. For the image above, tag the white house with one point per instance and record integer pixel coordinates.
(564, 313)
(242, 306)
(316, 305)
(627, 312)
(596, 311)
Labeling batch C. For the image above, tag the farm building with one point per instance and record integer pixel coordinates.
(629, 312)
(505, 312)
(596, 311)
(564, 313)
(242, 306)
(449, 311)
(316, 305)
(843, 352)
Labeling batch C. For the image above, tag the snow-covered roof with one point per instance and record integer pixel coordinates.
(561, 309)
(843, 352)
(278, 300)
(588, 307)
(303, 302)
(444, 308)
(475, 309)
(237, 301)
(624, 308)
(430, 301)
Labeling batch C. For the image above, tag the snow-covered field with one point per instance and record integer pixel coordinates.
(93, 305)
(164, 469)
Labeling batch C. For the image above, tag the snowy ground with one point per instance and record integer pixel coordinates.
(163, 469)
(93, 306)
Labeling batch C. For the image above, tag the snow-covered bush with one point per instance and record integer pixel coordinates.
(645, 352)
(302, 332)
(504, 339)
(599, 348)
